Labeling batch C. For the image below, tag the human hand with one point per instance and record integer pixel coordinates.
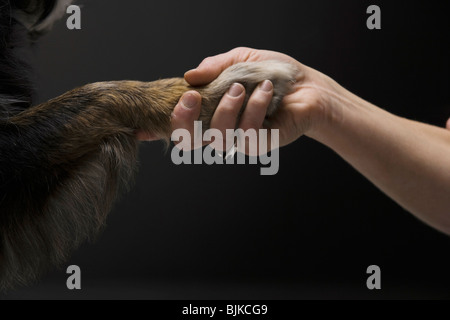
(188, 109)
(302, 111)
(226, 113)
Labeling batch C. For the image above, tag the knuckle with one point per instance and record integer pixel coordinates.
(206, 61)
(238, 49)
(241, 49)
(230, 104)
(259, 101)
(316, 99)
(241, 53)
(249, 124)
(228, 109)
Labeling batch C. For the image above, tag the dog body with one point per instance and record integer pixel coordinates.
(63, 162)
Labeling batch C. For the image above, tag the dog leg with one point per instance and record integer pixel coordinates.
(63, 162)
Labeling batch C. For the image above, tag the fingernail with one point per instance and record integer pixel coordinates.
(266, 86)
(189, 101)
(236, 90)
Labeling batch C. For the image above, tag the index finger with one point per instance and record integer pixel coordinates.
(211, 67)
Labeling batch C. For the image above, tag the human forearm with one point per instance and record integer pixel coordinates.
(407, 160)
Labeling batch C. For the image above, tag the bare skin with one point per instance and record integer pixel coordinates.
(408, 160)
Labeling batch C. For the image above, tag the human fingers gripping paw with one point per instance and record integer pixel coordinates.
(226, 114)
(252, 118)
(265, 97)
(207, 70)
(256, 109)
(185, 113)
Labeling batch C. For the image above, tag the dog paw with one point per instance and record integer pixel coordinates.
(249, 74)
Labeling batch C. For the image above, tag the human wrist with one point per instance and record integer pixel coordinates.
(336, 111)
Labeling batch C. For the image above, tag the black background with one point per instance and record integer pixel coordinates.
(207, 232)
